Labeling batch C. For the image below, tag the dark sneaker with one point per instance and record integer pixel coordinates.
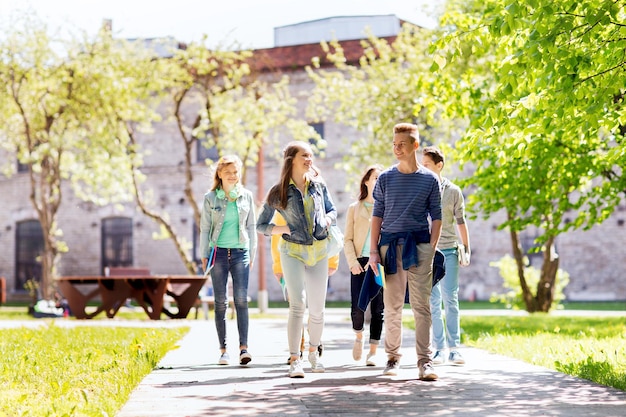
(244, 357)
(427, 373)
(455, 358)
(392, 367)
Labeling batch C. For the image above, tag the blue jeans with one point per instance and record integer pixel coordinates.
(449, 288)
(376, 307)
(237, 262)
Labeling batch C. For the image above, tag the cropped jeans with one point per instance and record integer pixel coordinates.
(447, 291)
(237, 263)
(376, 307)
(305, 285)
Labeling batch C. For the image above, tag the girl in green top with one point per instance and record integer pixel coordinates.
(228, 239)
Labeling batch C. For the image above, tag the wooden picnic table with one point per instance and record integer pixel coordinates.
(111, 292)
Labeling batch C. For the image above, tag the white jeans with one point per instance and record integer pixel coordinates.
(305, 285)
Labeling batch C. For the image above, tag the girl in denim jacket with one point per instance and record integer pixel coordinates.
(228, 237)
(302, 199)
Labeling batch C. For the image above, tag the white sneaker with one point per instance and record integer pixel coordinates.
(370, 361)
(314, 360)
(427, 373)
(295, 369)
(357, 350)
(439, 358)
(392, 367)
(456, 358)
(224, 359)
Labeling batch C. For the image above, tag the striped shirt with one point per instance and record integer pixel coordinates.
(406, 201)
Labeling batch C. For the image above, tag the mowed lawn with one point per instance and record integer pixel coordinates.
(80, 371)
(592, 348)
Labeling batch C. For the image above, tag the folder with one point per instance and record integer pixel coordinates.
(379, 276)
(211, 262)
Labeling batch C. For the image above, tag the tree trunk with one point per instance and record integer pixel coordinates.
(46, 196)
(160, 219)
(547, 279)
(518, 255)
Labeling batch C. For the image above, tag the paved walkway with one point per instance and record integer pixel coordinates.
(188, 382)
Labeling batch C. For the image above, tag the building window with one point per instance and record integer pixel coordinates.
(22, 167)
(319, 129)
(535, 257)
(197, 256)
(117, 242)
(29, 247)
(205, 153)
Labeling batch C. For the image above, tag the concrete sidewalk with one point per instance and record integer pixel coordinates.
(188, 382)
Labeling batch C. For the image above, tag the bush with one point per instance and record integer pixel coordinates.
(513, 296)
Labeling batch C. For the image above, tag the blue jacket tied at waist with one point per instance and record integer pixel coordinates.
(370, 287)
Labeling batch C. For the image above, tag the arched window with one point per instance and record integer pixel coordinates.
(117, 242)
(29, 247)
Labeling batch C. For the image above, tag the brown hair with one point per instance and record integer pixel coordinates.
(365, 178)
(277, 195)
(411, 129)
(434, 153)
(221, 164)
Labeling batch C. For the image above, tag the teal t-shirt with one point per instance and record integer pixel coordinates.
(229, 236)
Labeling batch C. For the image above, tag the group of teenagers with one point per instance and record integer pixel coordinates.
(402, 216)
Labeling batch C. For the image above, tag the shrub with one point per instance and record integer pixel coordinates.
(513, 296)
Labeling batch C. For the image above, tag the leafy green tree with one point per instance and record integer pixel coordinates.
(536, 87)
(61, 102)
(386, 86)
(543, 98)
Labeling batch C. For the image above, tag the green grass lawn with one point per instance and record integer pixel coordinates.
(87, 371)
(592, 348)
(55, 371)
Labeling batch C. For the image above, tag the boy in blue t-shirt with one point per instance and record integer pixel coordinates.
(406, 196)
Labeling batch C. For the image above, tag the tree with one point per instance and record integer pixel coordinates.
(60, 102)
(386, 86)
(537, 92)
(216, 99)
(544, 102)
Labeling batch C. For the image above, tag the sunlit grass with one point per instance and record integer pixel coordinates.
(80, 371)
(592, 348)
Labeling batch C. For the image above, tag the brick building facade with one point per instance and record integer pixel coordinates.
(594, 259)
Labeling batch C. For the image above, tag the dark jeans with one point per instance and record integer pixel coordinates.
(237, 262)
(376, 307)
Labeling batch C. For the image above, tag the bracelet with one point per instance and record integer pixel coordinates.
(373, 251)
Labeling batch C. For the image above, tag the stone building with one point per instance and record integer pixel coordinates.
(97, 236)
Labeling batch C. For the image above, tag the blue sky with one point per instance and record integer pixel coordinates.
(249, 22)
